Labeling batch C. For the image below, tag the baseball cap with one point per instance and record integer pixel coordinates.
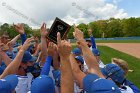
(76, 51)
(27, 57)
(80, 58)
(15, 50)
(114, 72)
(10, 54)
(42, 84)
(96, 52)
(94, 84)
(8, 84)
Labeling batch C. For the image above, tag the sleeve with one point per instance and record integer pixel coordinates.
(46, 67)
(93, 42)
(57, 75)
(23, 38)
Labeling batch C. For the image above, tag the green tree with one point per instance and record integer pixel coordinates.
(114, 28)
(130, 26)
(83, 27)
(70, 33)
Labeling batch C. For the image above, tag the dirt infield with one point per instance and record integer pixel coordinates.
(129, 48)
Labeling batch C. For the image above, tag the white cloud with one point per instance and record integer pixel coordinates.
(71, 11)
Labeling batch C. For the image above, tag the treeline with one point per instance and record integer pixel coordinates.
(101, 28)
(8, 29)
(111, 28)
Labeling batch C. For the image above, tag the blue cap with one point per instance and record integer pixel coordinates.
(80, 58)
(94, 84)
(16, 44)
(8, 84)
(10, 54)
(15, 50)
(27, 57)
(76, 51)
(42, 84)
(96, 52)
(114, 72)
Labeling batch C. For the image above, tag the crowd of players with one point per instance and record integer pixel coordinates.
(41, 66)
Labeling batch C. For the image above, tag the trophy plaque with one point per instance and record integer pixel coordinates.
(58, 26)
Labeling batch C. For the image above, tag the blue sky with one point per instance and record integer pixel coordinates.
(131, 7)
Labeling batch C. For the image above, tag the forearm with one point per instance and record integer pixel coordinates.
(56, 63)
(15, 39)
(6, 59)
(90, 59)
(67, 81)
(78, 74)
(43, 47)
(36, 51)
(14, 65)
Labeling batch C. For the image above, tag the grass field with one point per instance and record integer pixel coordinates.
(117, 41)
(134, 63)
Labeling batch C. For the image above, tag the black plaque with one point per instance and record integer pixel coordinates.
(58, 26)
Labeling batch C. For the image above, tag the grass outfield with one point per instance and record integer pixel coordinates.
(117, 41)
(134, 63)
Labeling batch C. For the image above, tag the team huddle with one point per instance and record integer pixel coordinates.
(37, 65)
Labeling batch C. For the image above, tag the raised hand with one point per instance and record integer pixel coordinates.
(43, 30)
(78, 34)
(27, 44)
(51, 49)
(64, 47)
(64, 50)
(19, 28)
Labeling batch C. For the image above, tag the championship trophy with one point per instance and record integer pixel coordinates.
(58, 26)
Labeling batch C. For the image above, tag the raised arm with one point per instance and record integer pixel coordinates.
(14, 40)
(64, 50)
(56, 61)
(4, 56)
(92, 38)
(14, 65)
(87, 54)
(43, 33)
(46, 67)
(20, 29)
(78, 74)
